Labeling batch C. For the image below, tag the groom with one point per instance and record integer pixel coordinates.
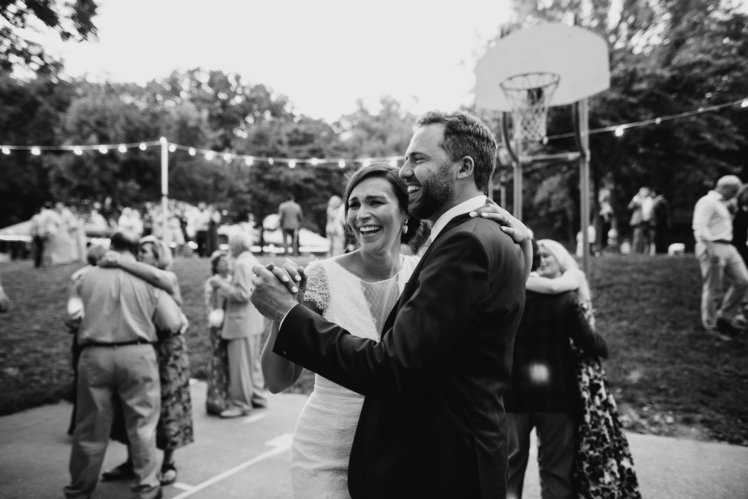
(433, 422)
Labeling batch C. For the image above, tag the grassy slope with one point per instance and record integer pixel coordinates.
(668, 377)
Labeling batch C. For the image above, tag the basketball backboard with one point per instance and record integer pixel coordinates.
(577, 55)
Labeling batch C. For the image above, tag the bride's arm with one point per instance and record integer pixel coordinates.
(279, 373)
(568, 281)
(519, 232)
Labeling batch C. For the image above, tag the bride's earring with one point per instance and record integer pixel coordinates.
(405, 227)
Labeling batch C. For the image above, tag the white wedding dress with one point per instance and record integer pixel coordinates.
(327, 424)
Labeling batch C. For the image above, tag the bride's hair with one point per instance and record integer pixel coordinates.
(557, 250)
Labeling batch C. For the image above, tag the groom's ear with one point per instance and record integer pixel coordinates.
(467, 167)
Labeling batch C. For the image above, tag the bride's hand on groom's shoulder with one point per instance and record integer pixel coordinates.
(510, 224)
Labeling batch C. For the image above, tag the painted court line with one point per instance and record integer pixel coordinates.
(280, 445)
(254, 417)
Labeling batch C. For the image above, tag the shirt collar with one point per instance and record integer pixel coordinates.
(471, 204)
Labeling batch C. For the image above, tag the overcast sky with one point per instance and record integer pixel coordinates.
(322, 54)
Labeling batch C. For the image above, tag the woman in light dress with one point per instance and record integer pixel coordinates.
(357, 291)
(335, 227)
(603, 466)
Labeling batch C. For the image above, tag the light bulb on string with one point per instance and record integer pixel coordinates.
(172, 147)
(36, 151)
(366, 162)
(103, 149)
(744, 103)
(122, 148)
(292, 164)
(619, 131)
(6, 150)
(210, 155)
(658, 121)
(393, 161)
(77, 150)
(227, 157)
(271, 161)
(191, 151)
(341, 164)
(142, 146)
(314, 162)
(249, 160)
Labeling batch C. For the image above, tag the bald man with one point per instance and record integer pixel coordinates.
(719, 259)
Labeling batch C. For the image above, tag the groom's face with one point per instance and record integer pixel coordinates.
(429, 173)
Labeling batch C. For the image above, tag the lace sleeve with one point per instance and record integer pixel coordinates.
(317, 288)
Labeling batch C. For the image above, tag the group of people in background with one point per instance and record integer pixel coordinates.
(650, 222)
(400, 330)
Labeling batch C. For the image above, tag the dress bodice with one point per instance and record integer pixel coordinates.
(361, 307)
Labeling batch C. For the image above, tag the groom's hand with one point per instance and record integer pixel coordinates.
(274, 291)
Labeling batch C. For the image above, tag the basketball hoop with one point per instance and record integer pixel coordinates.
(529, 95)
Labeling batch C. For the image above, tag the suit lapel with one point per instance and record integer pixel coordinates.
(410, 286)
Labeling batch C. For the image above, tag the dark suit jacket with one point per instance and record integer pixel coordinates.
(543, 374)
(433, 422)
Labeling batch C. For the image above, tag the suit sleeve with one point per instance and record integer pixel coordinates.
(239, 288)
(581, 332)
(430, 326)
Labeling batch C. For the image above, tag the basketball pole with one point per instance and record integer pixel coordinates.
(517, 180)
(584, 181)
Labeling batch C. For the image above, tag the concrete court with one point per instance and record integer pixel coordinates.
(249, 458)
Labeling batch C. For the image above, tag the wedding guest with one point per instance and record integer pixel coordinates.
(118, 362)
(603, 466)
(543, 392)
(217, 398)
(335, 227)
(4, 300)
(175, 426)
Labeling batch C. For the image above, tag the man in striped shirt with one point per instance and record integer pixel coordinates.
(117, 332)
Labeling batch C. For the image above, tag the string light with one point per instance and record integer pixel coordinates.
(742, 103)
(618, 130)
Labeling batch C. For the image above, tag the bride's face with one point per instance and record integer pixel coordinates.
(549, 266)
(374, 214)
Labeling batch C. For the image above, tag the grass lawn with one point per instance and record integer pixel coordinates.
(669, 378)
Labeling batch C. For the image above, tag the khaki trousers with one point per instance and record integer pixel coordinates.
(246, 383)
(724, 263)
(131, 372)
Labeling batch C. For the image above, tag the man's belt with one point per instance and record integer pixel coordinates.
(116, 344)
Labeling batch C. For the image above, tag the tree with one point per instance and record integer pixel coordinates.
(72, 20)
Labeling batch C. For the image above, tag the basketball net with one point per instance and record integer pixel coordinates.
(529, 95)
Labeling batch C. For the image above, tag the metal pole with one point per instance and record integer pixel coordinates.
(584, 182)
(517, 204)
(164, 185)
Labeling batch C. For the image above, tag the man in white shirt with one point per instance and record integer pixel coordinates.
(719, 259)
